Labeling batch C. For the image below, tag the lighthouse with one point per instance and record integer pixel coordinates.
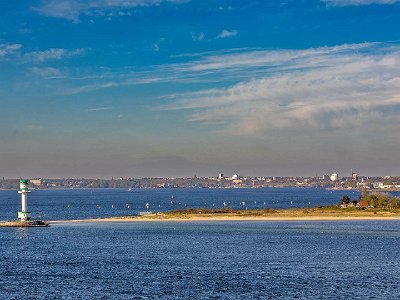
(24, 215)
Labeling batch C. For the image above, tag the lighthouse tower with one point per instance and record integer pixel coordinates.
(24, 215)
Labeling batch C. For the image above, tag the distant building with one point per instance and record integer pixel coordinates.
(378, 185)
(334, 177)
(354, 175)
(326, 177)
(220, 176)
(235, 177)
(36, 181)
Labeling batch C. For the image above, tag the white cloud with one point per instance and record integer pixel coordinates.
(72, 9)
(322, 89)
(7, 49)
(52, 54)
(358, 2)
(226, 33)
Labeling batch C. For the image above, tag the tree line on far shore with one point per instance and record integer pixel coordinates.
(373, 200)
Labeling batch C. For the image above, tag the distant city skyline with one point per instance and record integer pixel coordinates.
(174, 88)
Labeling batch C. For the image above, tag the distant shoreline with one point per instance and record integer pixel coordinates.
(204, 188)
(312, 214)
(227, 219)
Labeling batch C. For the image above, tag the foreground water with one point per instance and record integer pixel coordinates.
(202, 260)
(94, 203)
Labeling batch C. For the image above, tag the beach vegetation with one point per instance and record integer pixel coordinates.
(372, 200)
(345, 200)
(381, 200)
(327, 212)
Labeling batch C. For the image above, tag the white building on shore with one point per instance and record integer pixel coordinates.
(334, 177)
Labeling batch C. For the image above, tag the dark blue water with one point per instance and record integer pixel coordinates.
(202, 260)
(93, 203)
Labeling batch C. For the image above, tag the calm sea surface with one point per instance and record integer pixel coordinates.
(194, 260)
(202, 260)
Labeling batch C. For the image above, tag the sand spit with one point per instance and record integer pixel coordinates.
(272, 215)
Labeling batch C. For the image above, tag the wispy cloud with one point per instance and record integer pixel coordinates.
(108, 81)
(259, 92)
(157, 44)
(226, 34)
(198, 37)
(72, 9)
(329, 88)
(358, 2)
(232, 65)
(266, 60)
(7, 49)
(102, 108)
(52, 54)
(34, 127)
(47, 72)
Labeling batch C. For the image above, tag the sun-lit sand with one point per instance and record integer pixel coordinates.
(268, 215)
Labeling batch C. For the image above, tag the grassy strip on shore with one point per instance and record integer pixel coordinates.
(299, 214)
(324, 212)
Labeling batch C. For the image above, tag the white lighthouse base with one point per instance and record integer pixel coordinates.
(24, 216)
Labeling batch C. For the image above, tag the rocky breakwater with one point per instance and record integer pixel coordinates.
(24, 224)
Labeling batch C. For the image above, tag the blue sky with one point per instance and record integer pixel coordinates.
(181, 87)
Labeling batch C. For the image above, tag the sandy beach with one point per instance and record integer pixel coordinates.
(278, 215)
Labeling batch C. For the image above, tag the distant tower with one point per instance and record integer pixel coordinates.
(24, 215)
